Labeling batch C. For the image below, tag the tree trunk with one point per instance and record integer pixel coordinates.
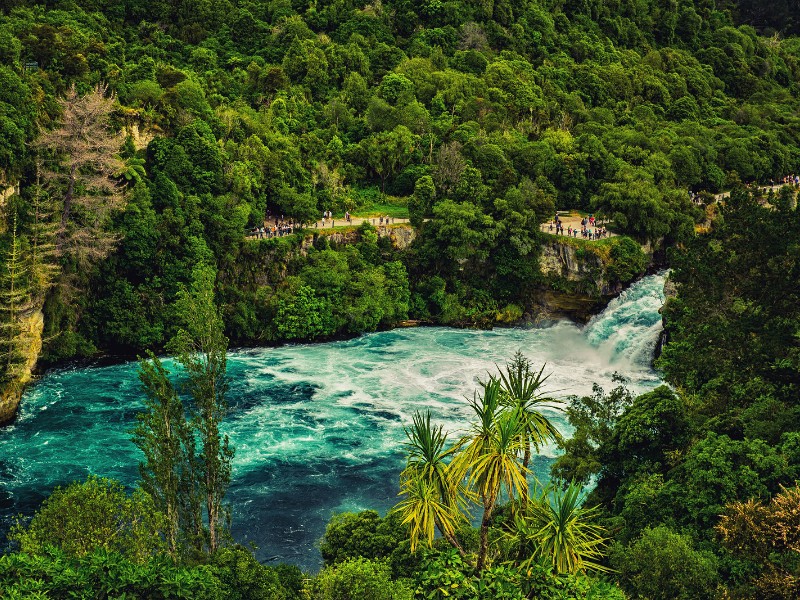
(212, 520)
(526, 459)
(453, 541)
(488, 508)
(67, 206)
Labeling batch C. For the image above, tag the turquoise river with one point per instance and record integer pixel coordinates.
(318, 428)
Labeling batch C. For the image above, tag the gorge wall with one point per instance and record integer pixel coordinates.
(31, 326)
(579, 278)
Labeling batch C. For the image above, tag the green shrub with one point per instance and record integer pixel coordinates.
(358, 579)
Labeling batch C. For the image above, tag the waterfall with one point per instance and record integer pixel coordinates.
(627, 330)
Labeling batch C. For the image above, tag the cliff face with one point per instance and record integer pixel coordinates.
(264, 262)
(32, 326)
(578, 279)
(401, 236)
(574, 264)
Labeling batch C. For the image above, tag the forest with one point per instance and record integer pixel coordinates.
(141, 141)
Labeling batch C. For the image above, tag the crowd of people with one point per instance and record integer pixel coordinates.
(279, 229)
(589, 230)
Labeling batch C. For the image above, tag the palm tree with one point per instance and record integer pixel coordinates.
(434, 499)
(521, 387)
(491, 457)
(559, 530)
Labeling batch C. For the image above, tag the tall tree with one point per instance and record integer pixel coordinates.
(490, 457)
(201, 348)
(167, 474)
(14, 300)
(42, 261)
(85, 159)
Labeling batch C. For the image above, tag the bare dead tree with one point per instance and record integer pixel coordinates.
(85, 148)
(473, 37)
(449, 166)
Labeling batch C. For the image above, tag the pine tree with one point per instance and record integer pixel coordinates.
(42, 262)
(15, 296)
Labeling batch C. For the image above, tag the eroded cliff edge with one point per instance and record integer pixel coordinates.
(31, 326)
(579, 277)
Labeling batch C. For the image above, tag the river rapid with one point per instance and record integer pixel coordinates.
(318, 428)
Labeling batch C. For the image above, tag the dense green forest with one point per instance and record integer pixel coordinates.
(481, 117)
(148, 137)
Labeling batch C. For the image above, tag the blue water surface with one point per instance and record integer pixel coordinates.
(318, 428)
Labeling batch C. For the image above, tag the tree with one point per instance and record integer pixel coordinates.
(557, 528)
(664, 565)
(388, 151)
(43, 234)
(769, 535)
(521, 392)
(593, 419)
(490, 457)
(84, 147)
(367, 535)
(434, 496)
(15, 295)
(449, 166)
(358, 578)
(201, 348)
(131, 168)
(420, 204)
(167, 473)
(301, 314)
(95, 514)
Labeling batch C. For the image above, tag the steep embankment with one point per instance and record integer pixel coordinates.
(579, 277)
(31, 326)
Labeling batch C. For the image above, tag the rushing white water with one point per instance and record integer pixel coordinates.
(318, 428)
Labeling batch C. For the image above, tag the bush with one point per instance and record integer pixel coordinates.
(664, 565)
(366, 535)
(94, 515)
(54, 574)
(247, 579)
(358, 579)
(628, 261)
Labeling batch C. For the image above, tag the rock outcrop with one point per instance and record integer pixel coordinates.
(264, 262)
(32, 326)
(578, 279)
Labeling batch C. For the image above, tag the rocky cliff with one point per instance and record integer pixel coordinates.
(580, 277)
(32, 325)
(401, 236)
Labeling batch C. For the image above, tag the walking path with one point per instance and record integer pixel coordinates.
(766, 189)
(331, 224)
(355, 222)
